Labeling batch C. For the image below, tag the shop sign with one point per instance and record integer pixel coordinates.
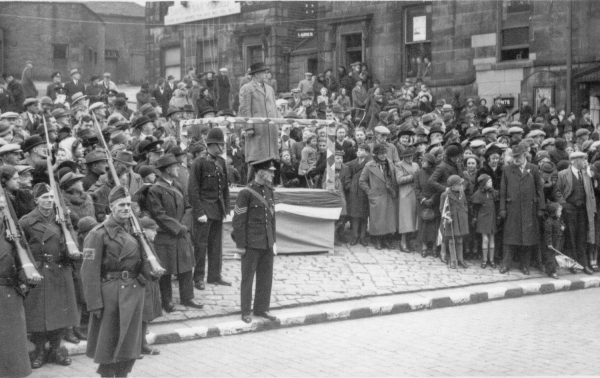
(188, 11)
(306, 33)
(508, 102)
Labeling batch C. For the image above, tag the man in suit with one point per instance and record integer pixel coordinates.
(56, 82)
(75, 84)
(16, 91)
(521, 207)
(575, 193)
(170, 86)
(31, 117)
(162, 95)
(208, 191)
(27, 81)
(223, 89)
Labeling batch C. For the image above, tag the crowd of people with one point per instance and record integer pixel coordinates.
(454, 178)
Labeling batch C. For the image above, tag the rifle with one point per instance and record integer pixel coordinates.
(59, 206)
(13, 234)
(138, 232)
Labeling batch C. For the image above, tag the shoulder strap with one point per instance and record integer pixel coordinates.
(259, 197)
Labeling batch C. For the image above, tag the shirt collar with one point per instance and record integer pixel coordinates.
(575, 171)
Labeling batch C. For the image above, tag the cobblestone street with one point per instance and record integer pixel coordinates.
(529, 336)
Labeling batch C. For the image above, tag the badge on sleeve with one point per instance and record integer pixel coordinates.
(89, 253)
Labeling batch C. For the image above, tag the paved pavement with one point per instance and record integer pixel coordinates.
(538, 335)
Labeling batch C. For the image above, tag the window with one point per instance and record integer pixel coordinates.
(111, 53)
(514, 36)
(60, 51)
(353, 44)
(254, 54)
(207, 55)
(417, 41)
(172, 62)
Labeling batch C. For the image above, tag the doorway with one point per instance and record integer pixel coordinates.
(354, 48)
(312, 66)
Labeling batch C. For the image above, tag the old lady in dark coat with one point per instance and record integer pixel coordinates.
(113, 262)
(521, 206)
(357, 202)
(427, 199)
(168, 207)
(51, 306)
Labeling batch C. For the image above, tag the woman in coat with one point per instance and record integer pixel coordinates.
(379, 181)
(14, 357)
(357, 202)
(426, 199)
(51, 306)
(407, 200)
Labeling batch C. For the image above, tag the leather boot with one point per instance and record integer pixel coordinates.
(79, 333)
(69, 335)
(39, 355)
(54, 354)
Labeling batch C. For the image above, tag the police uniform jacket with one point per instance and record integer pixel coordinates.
(168, 208)
(208, 188)
(51, 304)
(14, 357)
(117, 335)
(253, 223)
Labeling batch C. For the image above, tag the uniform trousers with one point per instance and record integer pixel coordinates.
(523, 251)
(186, 287)
(208, 242)
(259, 262)
(576, 230)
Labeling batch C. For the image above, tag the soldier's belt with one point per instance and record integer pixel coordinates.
(49, 259)
(116, 275)
(8, 281)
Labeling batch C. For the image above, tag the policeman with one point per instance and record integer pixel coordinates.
(208, 191)
(254, 231)
(51, 306)
(113, 262)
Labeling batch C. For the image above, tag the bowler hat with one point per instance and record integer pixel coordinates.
(258, 67)
(140, 121)
(166, 161)
(31, 142)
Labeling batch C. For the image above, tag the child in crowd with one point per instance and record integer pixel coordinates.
(553, 232)
(309, 156)
(484, 217)
(455, 215)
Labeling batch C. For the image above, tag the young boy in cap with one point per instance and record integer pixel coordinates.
(455, 217)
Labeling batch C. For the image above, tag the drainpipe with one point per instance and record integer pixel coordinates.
(569, 54)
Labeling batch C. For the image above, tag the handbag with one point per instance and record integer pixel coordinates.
(427, 214)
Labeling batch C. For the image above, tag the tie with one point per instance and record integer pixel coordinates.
(579, 176)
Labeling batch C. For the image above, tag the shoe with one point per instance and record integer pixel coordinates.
(493, 265)
(70, 336)
(452, 265)
(200, 285)
(363, 242)
(39, 360)
(57, 357)
(553, 275)
(354, 241)
(595, 268)
(247, 318)
(192, 304)
(503, 270)
(147, 349)
(169, 307)
(267, 315)
(378, 245)
(403, 249)
(587, 270)
(424, 253)
(79, 333)
(573, 270)
(221, 282)
(484, 265)
(463, 265)
(386, 245)
(525, 271)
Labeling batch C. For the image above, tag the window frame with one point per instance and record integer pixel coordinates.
(164, 64)
(247, 54)
(517, 20)
(428, 13)
(65, 46)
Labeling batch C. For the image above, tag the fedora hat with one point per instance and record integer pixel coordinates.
(207, 110)
(172, 110)
(258, 67)
(125, 157)
(166, 161)
(31, 142)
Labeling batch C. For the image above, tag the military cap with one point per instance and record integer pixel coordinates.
(263, 164)
(577, 155)
(454, 180)
(69, 179)
(582, 132)
(10, 148)
(515, 130)
(95, 156)
(9, 115)
(40, 189)
(148, 223)
(117, 193)
(86, 224)
(166, 161)
(382, 130)
(30, 101)
(150, 146)
(97, 105)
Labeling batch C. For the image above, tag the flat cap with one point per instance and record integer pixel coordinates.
(30, 101)
(577, 155)
(477, 143)
(582, 132)
(382, 130)
(97, 105)
(549, 141)
(515, 130)
(10, 148)
(9, 115)
(489, 130)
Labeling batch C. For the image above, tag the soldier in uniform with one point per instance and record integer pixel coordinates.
(113, 262)
(254, 232)
(168, 207)
(51, 306)
(208, 191)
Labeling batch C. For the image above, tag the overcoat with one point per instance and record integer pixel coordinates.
(521, 197)
(458, 208)
(428, 230)
(168, 208)
(382, 194)
(564, 188)
(52, 303)
(14, 357)
(407, 199)
(357, 202)
(117, 335)
(208, 188)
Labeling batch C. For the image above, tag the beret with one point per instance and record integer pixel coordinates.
(117, 193)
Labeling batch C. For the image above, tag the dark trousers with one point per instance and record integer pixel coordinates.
(523, 251)
(208, 242)
(359, 227)
(576, 230)
(186, 287)
(259, 262)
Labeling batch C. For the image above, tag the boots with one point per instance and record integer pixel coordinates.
(79, 333)
(70, 336)
(39, 355)
(54, 353)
